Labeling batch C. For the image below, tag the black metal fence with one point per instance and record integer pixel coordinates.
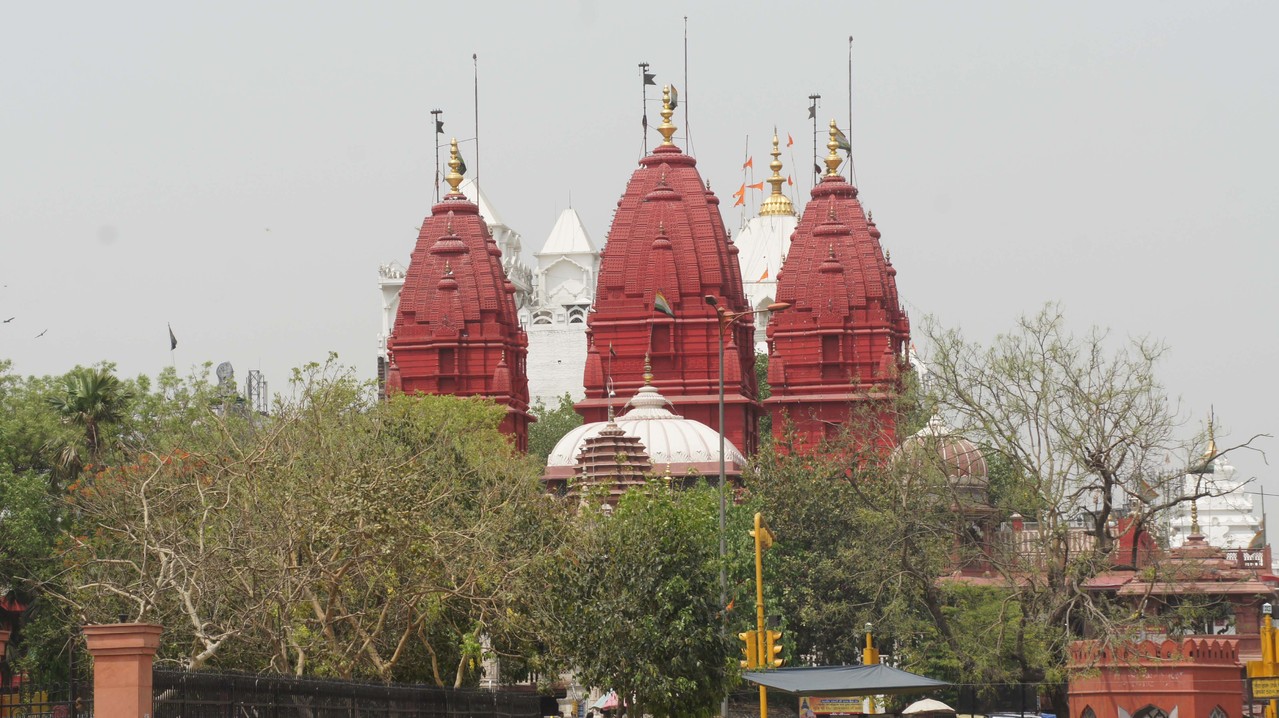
(60, 701)
(180, 694)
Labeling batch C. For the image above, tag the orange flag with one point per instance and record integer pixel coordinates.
(750, 162)
(741, 200)
(789, 180)
(789, 140)
(757, 185)
(764, 276)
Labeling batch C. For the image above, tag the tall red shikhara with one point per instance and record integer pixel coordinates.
(456, 330)
(839, 352)
(667, 237)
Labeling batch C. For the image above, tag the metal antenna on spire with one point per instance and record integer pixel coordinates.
(812, 115)
(646, 79)
(688, 131)
(852, 168)
(439, 129)
(475, 63)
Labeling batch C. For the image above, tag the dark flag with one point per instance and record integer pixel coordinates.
(812, 111)
(648, 78)
(817, 169)
(644, 121)
(439, 127)
(674, 98)
(173, 341)
(461, 164)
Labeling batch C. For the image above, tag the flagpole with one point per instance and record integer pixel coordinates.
(741, 222)
(435, 115)
(812, 113)
(852, 169)
(644, 104)
(688, 131)
(475, 64)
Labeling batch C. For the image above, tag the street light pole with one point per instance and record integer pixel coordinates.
(726, 320)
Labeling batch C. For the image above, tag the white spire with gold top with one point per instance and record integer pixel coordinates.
(763, 243)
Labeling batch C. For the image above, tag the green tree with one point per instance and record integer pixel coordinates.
(551, 426)
(340, 536)
(89, 399)
(636, 606)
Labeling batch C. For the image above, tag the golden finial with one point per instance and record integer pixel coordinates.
(1211, 453)
(888, 256)
(830, 248)
(454, 177)
(830, 213)
(648, 370)
(1194, 517)
(870, 217)
(776, 203)
(832, 160)
(667, 476)
(448, 271)
(668, 108)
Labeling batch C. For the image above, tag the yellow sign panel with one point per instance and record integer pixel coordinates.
(1265, 687)
(813, 706)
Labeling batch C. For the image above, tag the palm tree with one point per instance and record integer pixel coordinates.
(91, 397)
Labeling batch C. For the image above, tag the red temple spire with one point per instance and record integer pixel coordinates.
(456, 331)
(837, 354)
(668, 237)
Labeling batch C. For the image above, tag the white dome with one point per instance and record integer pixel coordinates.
(668, 437)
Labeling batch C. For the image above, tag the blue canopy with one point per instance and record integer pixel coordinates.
(877, 679)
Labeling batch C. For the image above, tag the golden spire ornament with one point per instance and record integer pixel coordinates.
(832, 160)
(776, 203)
(456, 167)
(668, 108)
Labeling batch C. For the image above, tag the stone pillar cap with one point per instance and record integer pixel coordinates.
(122, 638)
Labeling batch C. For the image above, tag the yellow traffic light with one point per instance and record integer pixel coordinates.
(772, 649)
(751, 649)
(763, 537)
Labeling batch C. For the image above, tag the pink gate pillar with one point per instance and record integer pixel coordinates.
(122, 654)
(4, 641)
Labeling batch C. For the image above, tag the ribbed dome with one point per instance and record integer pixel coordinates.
(669, 438)
(938, 446)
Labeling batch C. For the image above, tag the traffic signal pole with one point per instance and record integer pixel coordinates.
(759, 602)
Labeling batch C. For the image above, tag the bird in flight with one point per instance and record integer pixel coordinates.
(42, 333)
(9, 320)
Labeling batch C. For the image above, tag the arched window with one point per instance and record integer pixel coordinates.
(1217, 713)
(1088, 713)
(1150, 712)
(542, 316)
(576, 315)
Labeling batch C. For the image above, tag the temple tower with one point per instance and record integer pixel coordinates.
(763, 242)
(456, 329)
(839, 352)
(668, 239)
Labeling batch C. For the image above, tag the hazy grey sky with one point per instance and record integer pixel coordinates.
(241, 169)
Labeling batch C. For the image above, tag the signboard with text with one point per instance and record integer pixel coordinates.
(814, 706)
(1265, 687)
